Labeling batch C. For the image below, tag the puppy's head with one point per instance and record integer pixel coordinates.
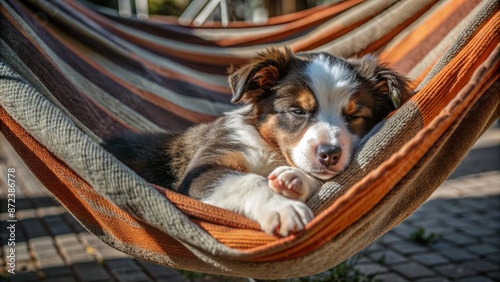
(315, 107)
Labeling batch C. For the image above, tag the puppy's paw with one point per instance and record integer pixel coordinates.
(287, 217)
(289, 182)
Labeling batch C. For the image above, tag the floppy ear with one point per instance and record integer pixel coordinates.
(385, 80)
(250, 82)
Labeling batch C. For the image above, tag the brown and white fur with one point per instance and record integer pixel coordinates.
(303, 117)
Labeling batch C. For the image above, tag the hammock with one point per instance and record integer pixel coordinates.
(71, 76)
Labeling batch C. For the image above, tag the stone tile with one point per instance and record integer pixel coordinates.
(49, 261)
(50, 218)
(47, 254)
(391, 277)
(26, 214)
(484, 248)
(404, 230)
(430, 259)
(371, 268)
(34, 228)
(77, 257)
(495, 257)
(388, 257)
(123, 265)
(50, 211)
(156, 270)
(475, 279)
(481, 266)
(478, 221)
(413, 270)
(459, 238)
(434, 279)
(457, 222)
(58, 229)
(91, 272)
(456, 254)
(474, 204)
(491, 222)
(138, 276)
(40, 241)
(440, 245)
(494, 275)
(41, 202)
(455, 209)
(56, 271)
(454, 271)
(24, 277)
(22, 251)
(408, 247)
(66, 239)
(43, 248)
(390, 237)
(23, 204)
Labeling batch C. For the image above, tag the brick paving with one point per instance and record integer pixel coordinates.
(454, 236)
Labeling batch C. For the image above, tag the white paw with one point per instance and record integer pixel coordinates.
(285, 217)
(289, 182)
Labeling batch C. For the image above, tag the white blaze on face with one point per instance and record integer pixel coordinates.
(333, 84)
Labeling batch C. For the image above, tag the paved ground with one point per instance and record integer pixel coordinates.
(454, 236)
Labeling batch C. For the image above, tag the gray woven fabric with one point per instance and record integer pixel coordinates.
(108, 176)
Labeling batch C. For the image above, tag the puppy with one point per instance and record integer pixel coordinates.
(303, 116)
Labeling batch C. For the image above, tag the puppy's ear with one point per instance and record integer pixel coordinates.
(250, 82)
(385, 80)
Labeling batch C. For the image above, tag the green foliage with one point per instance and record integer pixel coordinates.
(167, 7)
(156, 7)
(422, 237)
(190, 275)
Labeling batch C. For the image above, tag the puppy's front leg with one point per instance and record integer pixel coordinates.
(293, 183)
(249, 195)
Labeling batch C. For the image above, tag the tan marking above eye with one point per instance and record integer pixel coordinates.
(306, 100)
(351, 108)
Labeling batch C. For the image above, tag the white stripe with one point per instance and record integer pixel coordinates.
(332, 85)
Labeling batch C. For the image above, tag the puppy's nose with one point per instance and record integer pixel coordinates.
(329, 154)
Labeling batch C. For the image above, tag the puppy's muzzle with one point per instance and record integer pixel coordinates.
(329, 155)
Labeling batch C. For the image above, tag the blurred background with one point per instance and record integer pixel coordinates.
(199, 12)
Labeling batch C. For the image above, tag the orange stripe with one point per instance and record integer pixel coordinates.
(390, 35)
(412, 49)
(424, 30)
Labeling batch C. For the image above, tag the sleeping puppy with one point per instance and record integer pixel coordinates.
(304, 114)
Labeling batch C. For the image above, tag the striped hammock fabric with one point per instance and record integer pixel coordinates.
(72, 75)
